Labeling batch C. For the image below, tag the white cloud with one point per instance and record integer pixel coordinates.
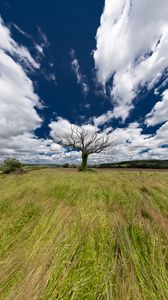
(45, 42)
(28, 148)
(40, 45)
(126, 143)
(17, 98)
(61, 127)
(23, 32)
(159, 113)
(87, 105)
(51, 77)
(81, 79)
(18, 101)
(7, 44)
(102, 119)
(132, 46)
(131, 144)
(19, 118)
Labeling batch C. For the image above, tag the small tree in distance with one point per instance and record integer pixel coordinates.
(80, 139)
(10, 165)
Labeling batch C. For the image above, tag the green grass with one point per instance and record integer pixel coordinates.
(70, 235)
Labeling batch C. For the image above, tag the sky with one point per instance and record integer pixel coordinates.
(101, 65)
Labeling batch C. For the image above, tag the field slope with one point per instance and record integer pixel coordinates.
(69, 235)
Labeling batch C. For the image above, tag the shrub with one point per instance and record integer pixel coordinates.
(66, 165)
(88, 169)
(10, 165)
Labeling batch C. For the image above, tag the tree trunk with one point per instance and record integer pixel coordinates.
(84, 161)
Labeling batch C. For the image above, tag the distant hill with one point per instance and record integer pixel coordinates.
(146, 164)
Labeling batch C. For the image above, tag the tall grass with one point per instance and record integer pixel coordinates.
(69, 235)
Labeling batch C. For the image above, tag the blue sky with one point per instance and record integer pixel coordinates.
(98, 64)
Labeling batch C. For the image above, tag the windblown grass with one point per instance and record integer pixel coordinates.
(69, 235)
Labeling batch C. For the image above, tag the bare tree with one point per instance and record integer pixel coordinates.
(80, 139)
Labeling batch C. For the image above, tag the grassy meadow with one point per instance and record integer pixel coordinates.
(72, 235)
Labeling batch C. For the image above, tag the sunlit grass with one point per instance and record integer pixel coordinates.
(71, 235)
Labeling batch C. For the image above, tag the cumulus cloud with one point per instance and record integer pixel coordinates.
(140, 64)
(102, 119)
(126, 143)
(159, 113)
(61, 127)
(28, 148)
(18, 101)
(132, 47)
(131, 144)
(81, 79)
(18, 98)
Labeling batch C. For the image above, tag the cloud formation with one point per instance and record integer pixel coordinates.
(159, 113)
(81, 79)
(132, 47)
(61, 127)
(126, 143)
(18, 100)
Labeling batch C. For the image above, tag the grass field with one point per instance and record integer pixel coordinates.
(70, 235)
